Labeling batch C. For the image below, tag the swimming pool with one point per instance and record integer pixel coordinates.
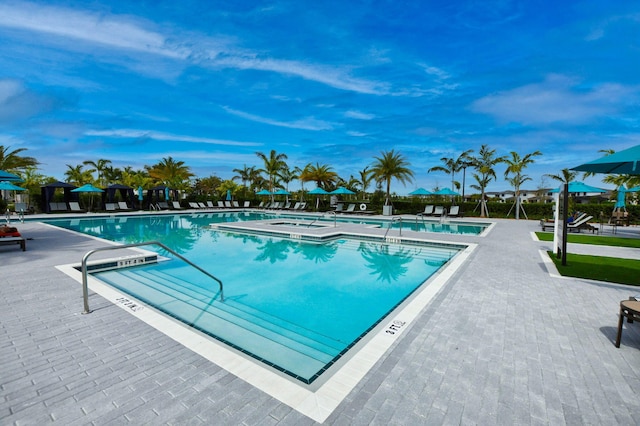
(295, 305)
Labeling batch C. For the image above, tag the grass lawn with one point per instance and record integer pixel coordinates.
(599, 268)
(594, 239)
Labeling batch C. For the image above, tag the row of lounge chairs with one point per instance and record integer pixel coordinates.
(438, 211)
(281, 205)
(351, 208)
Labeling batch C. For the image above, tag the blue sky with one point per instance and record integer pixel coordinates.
(212, 82)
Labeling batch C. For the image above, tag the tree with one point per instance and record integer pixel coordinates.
(366, 177)
(565, 176)
(245, 175)
(484, 164)
(515, 166)
(11, 161)
(322, 175)
(452, 166)
(99, 166)
(273, 165)
(76, 176)
(171, 173)
(391, 165)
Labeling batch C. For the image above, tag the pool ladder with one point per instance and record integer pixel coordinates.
(85, 289)
(394, 219)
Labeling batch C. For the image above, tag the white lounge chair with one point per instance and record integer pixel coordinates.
(438, 211)
(247, 204)
(581, 224)
(74, 206)
(122, 205)
(454, 211)
(428, 211)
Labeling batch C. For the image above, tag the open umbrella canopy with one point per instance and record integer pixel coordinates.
(445, 191)
(282, 192)
(581, 187)
(634, 189)
(625, 162)
(8, 186)
(6, 176)
(318, 191)
(87, 188)
(263, 192)
(420, 191)
(341, 190)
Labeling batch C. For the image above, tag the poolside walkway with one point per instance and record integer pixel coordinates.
(504, 342)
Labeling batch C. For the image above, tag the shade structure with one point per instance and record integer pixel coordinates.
(9, 177)
(625, 162)
(8, 186)
(581, 187)
(318, 191)
(263, 192)
(229, 195)
(282, 192)
(341, 190)
(420, 191)
(634, 189)
(446, 191)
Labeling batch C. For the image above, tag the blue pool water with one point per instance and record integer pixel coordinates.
(295, 305)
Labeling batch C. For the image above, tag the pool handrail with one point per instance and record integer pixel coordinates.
(85, 289)
(393, 219)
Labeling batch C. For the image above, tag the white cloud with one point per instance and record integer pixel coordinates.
(304, 124)
(556, 100)
(359, 115)
(135, 133)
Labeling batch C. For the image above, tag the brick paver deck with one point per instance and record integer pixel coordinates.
(503, 343)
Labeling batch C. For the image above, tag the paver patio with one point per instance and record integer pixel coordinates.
(504, 342)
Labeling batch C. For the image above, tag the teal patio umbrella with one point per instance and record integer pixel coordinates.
(89, 189)
(263, 192)
(575, 187)
(446, 191)
(420, 191)
(6, 176)
(8, 186)
(625, 162)
(341, 190)
(318, 191)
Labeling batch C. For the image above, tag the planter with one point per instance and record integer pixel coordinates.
(387, 210)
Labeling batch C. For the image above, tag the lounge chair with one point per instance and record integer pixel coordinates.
(110, 207)
(303, 206)
(176, 205)
(581, 224)
(58, 207)
(438, 211)
(227, 204)
(210, 205)
(193, 205)
(339, 208)
(74, 206)
(454, 211)
(235, 204)
(261, 205)
(428, 211)
(221, 204)
(163, 205)
(10, 235)
(122, 205)
(287, 206)
(351, 208)
(247, 204)
(202, 205)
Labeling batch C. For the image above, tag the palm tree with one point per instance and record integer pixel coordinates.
(174, 174)
(273, 165)
(565, 176)
(484, 163)
(11, 161)
(515, 166)
(244, 175)
(451, 166)
(391, 165)
(366, 177)
(99, 166)
(77, 176)
(322, 175)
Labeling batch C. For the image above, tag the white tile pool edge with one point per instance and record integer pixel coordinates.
(319, 404)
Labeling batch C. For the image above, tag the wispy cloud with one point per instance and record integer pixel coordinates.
(359, 115)
(309, 123)
(18, 103)
(558, 99)
(136, 134)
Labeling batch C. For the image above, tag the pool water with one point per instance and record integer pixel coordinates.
(295, 305)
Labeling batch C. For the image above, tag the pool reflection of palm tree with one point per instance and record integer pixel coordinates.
(389, 267)
(318, 253)
(273, 250)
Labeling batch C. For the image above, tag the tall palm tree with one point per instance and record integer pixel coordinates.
(12, 161)
(391, 165)
(99, 166)
(484, 164)
(451, 166)
(273, 165)
(77, 176)
(565, 176)
(174, 174)
(515, 166)
(366, 177)
(322, 175)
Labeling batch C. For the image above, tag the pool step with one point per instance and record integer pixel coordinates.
(276, 343)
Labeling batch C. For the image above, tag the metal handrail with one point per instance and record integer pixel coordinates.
(335, 218)
(393, 219)
(85, 289)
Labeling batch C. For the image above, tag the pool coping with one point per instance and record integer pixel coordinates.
(316, 401)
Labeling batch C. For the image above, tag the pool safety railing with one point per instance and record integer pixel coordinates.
(394, 219)
(85, 289)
